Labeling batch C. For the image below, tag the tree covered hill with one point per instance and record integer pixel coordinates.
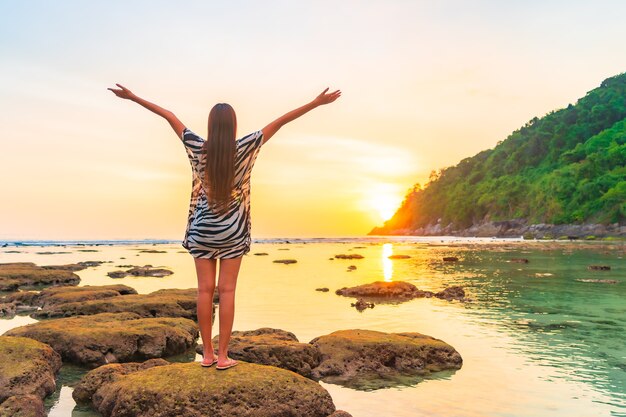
(567, 167)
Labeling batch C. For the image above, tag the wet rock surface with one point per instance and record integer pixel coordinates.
(105, 338)
(366, 359)
(187, 389)
(162, 303)
(27, 367)
(15, 275)
(273, 347)
(105, 374)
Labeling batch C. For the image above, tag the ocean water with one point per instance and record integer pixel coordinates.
(538, 339)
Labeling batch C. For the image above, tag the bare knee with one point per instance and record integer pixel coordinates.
(206, 290)
(225, 288)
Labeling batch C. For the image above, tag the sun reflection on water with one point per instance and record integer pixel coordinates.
(387, 263)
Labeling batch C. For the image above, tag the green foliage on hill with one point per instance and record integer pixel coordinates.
(566, 167)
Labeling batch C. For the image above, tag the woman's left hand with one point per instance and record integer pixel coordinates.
(123, 92)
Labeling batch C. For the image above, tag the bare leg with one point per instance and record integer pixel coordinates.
(206, 271)
(229, 270)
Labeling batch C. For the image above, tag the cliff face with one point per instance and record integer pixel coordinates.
(562, 174)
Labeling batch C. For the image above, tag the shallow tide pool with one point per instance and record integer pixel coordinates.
(542, 338)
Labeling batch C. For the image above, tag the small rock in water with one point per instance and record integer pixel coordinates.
(148, 271)
(450, 259)
(519, 260)
(599, 268)
(351, 267)
(324, 289)
(285, 261)
(362, 304)
(349, 256)
(398, 257)
(261, 253)
(454, 292)
(117, 274)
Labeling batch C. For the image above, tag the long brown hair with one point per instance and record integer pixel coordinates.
(219, 154)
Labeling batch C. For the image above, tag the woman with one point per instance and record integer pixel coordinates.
(218, 224)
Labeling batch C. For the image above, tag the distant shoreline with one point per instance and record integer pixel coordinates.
(378, 238)
(517, 228)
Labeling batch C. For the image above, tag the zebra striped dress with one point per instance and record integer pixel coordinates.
(210, 235)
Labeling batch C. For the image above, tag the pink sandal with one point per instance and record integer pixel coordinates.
(232, 363)
(206, 365)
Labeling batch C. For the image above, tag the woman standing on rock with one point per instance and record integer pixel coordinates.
(218, 223)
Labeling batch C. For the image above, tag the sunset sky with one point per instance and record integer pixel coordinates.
(425, 84)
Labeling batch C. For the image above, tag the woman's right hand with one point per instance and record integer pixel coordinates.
(123, 92)
(325, 98)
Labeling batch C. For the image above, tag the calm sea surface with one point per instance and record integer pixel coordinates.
(536, 339)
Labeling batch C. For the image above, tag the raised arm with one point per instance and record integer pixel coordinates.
(323, 98)
(125, 93)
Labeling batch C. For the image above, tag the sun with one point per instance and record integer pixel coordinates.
(385, 205)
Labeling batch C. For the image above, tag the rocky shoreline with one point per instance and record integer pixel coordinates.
(513, 228)
(125, 339)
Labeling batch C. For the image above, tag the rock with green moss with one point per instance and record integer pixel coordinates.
(7, 310)
(61, 295)
(268, 346)
(368, 359)
(107, 338)
(187, 389)
(105, 374)
(27, 367)
(15, 275)
(22, 406)
(162, 303)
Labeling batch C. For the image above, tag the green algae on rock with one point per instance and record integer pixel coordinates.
(15, 275)
(162, 303)
(61, 295)
(187, 389)
(268, 346)
(26, 367)
(105, 374)
(368, 359)
(105, 338)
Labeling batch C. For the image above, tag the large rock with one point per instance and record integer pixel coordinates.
(187, 389)
(27, 367)
(105, 338)
(366, 359)
(274, 347)
(15, 275)
(22, 406)
(61, 295)
(162, 303)
(93, 380)
(381, 291)
(397, 290)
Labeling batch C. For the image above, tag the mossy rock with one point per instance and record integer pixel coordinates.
(397, 290)
(61, 295)
(27, 367)
(187, 389)
(105, 374)
(273, 347)
(107, 338)
(15, 275)
(22, 406)
(162, 303)
(78, 266)
(368, 359)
